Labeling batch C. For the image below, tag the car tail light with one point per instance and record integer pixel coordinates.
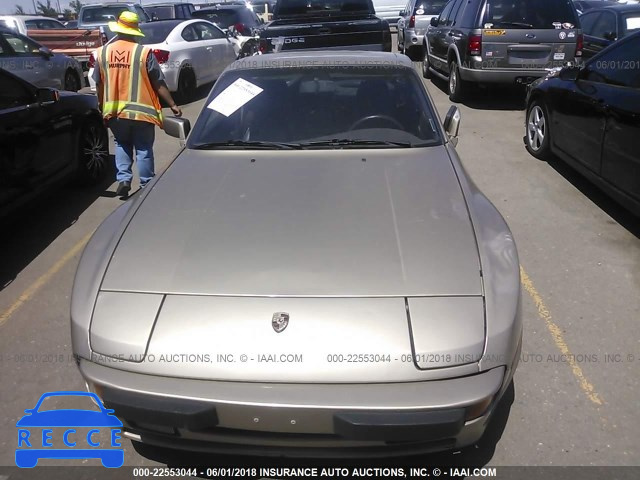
(412, 21)
(579, 45)
(264, 46)
(240, 28)
(161, 55)
(92, 60)
(103, 36)
(475, 45)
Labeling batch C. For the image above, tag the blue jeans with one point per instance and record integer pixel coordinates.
(130, 134)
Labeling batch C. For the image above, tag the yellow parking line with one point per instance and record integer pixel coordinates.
(556, 334)
(44, 278)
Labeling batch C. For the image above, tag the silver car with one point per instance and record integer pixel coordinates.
(413, 24)
(37, 64)
(314, 274)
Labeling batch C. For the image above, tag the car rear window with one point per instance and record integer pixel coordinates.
(310, 7)
(101, 14)
(315, 104)
(538, 14)
(631, 22)
(162, 13)
(156, 32)
(221, 17)
(429, 7)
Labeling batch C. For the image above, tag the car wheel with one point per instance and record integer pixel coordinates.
(71, 81)
(538, 131)
(93, 153)
(186, 85)
(457, 86)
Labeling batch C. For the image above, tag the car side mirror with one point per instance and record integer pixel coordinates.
(177, 127)
(452, 124)
(570, 73)
(611, 36)
(45, 52)
(433, 22)
(47, 96)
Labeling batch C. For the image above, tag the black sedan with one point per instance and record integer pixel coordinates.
(589, 116)
(604, 25)
(47, 137)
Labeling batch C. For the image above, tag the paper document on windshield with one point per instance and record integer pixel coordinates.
(234, 96)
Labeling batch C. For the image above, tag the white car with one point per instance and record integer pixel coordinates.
(190, 53)
(22, 23)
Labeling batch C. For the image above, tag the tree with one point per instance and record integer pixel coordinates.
(68, 14)
(47, 10)
(19, 10)
(75, 5)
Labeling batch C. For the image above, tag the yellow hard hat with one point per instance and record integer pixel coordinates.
(127, 24)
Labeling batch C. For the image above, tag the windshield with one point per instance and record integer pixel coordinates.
(304, 105)
(156, 32)
(222, 18)
(302, 7)
(529, 14)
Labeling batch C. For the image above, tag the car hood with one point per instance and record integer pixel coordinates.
(339, 223)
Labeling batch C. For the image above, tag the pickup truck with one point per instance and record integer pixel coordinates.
(75, 43)
(325, 24)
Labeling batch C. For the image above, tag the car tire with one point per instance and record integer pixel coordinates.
(426, 73)
(71, 81)
(457, 87)
(186, 85)
(93, 153)
(537, 137)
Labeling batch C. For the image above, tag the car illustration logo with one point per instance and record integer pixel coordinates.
(279, 321)
(76, 432)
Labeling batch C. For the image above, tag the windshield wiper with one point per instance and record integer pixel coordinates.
(516, 24)
(344, 142)
(247, 143)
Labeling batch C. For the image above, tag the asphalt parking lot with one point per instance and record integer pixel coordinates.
(575, 400)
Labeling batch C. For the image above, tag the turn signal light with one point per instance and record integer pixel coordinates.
(412, 21)
(477, 409)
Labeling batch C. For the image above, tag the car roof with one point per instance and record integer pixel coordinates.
(111, 4)
(29, 17)
(318, 58)
(618, 7)
(223, 6)
(166, 4)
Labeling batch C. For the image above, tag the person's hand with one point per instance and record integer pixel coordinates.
(177, 111)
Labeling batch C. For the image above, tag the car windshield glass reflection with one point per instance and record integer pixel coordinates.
(342, 107)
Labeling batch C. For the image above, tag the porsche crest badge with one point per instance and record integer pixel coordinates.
(279, 321)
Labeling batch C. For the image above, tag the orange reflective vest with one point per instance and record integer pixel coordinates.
(128, 92)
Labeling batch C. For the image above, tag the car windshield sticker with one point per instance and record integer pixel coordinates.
(419, 11)
(234, 96)
(633, 23)
(568, 26)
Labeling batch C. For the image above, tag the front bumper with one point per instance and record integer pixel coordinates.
(333, 420)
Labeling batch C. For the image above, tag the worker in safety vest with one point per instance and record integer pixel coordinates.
(129, 84)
